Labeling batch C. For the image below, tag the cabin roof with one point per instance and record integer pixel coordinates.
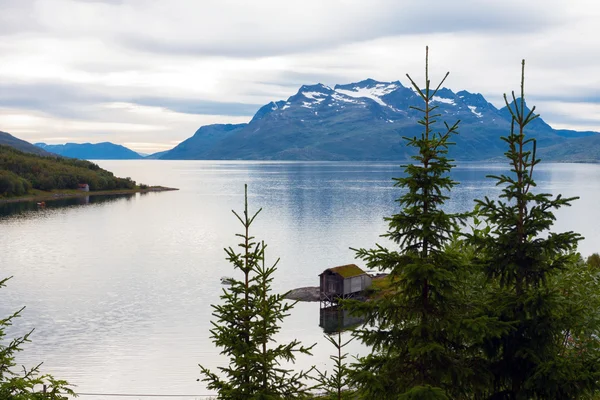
(346, 271)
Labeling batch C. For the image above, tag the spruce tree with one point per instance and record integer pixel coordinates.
(593, 261)
(415, 328)
(551, 350)
(337, 385)
(24, 384)
(246, 323)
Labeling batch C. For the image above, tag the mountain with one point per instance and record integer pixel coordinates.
(203, 140)
(360, 121)
(89, 151)
(6, 139)
(581, 149)
(155, 156)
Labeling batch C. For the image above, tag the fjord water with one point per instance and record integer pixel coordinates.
(119, 289)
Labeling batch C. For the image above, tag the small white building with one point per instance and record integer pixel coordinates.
(84, 187)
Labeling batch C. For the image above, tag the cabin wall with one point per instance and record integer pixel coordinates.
(356, 284)
(367, 281)
(331, 284)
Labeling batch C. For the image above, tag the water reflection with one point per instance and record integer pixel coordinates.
(334, 319)
(9, 209)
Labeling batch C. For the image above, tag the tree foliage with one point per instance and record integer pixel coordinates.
(12, 184)
(247, 321)
(593, 262)
(535, 285)
(25, 384)
(417, 330)
(337, 385)
(20, 172)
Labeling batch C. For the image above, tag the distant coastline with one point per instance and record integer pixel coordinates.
(40, 195)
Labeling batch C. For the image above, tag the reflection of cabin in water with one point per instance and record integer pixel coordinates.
(335, 319)
(342, 282)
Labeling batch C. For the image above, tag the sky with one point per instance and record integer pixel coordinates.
(148, 73)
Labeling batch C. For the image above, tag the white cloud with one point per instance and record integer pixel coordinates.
(63, 61)
(115, 122)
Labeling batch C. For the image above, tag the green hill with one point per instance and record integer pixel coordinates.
(6, 139)
(20, 172)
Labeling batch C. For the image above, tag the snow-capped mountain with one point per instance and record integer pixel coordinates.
(365, 120)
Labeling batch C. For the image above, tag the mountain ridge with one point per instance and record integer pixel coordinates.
(361, 121)
(91, 151)
(7, 139)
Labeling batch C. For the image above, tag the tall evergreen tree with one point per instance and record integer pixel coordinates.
(27, 383)
(246, 324)
(415, 328)
(551, 350)
(337, 385)
(593, 261)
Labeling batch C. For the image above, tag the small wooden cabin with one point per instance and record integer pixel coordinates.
(343, 281)
(84, 187)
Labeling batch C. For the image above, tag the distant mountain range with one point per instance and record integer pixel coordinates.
(359, 121)
(366, 121)
(89, 151)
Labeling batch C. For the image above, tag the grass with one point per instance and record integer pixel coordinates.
(380, 286)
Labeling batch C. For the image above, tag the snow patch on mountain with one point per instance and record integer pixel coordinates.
(345, 98)
(474, 111)
(443, 100)
(317, 96)
(371, 92)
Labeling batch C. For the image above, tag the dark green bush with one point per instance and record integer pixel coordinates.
(12, 184)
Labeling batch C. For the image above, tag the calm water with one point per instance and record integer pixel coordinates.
(119, 289)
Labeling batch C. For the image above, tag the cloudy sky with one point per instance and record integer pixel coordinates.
(148, 73)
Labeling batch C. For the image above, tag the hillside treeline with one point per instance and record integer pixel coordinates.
(20, 172)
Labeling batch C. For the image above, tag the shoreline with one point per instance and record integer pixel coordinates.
(45, 196)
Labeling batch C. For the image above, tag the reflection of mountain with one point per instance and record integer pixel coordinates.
(334, 319)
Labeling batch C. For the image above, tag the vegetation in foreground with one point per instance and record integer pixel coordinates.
(21, 172)
(415, 330)
(509, 311)
(246, 325)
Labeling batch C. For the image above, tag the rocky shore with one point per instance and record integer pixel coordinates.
(309, 293)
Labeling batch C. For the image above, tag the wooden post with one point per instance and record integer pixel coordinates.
(45, 388)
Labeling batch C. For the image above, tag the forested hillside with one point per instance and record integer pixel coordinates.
(21, 172)
(6, 139)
